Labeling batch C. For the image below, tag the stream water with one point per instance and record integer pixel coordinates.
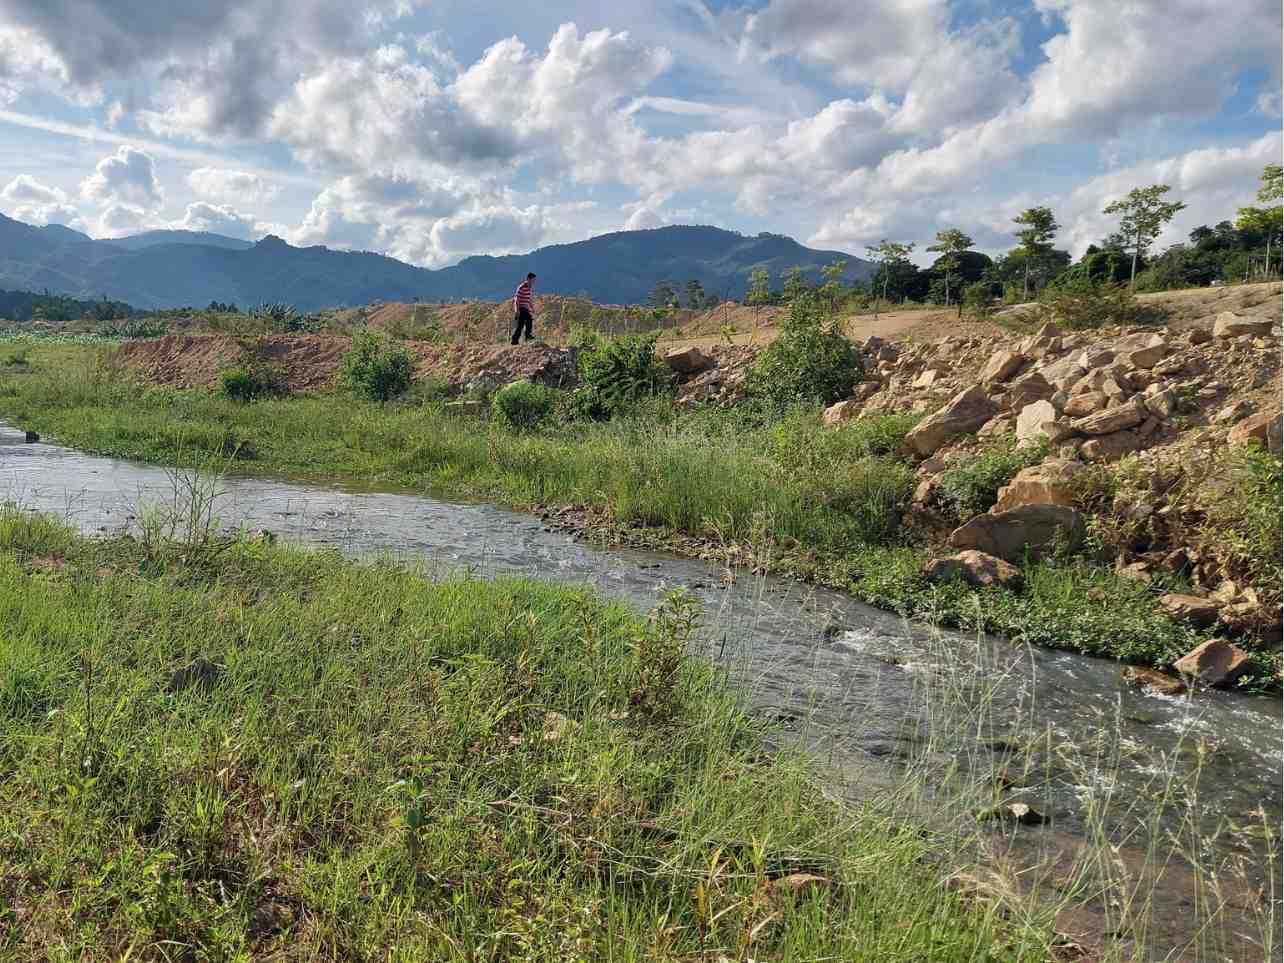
(861, 687)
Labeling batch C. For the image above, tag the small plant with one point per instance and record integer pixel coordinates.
(375, 370)
(135, 328)
(523, 406)
(971, 486)
(277, 314)
(17, 359)
(808, 363)
(252, 382)
(728, 332)
(616, 373)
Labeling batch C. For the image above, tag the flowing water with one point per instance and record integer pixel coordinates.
(860, 686)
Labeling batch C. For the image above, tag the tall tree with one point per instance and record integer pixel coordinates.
(832, 288)
(795, 283)
(759, 290)
(694, 293)
(1142, 215)
(1038, 228)
(889, 255)
(1265, 219)
(950, 243)
(662, 295)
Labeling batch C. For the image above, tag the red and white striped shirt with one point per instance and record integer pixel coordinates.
(523, 297)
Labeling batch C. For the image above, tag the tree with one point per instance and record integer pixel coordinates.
(795, 283)
(1266, 220)
(694, 293)
(759, 290)
(832, 288)
(1143, 214)
(950, 243)
(889, 255)
(662, 295)
(1038, 228)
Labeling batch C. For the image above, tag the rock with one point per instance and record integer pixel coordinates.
(1216, 662)
(965, 412)
(1192, 609)
(1085, 404)
(1036, 348)
(1228, 324)
(1039, 420)
(1002, 366)
(1051, 483)
(688, 361)
(1033, 530)
(1111, 447)
(1198, 336)
(557, 726)
(925, 491)
(1049, 330)
(1162, 403)
(31, 437)
(1148, 428)
(866, 390)
(974, 568)
(466, 407)
(1161, 682)
(1235, 411)
(1127, 415)
(843, 411)
(1095, 358)
(873, 343)
(887, 352)
(927, 378)
(1265, 428)
(201, 672)
(1149, 354)
(1017, 812)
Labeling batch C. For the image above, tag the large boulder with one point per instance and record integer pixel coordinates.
(1192, 609)
(1028, 389)
(1148, 353)
(965, 412)
(1161, 403)
(1031, 530)
(1228, 324)
(975, 568)
(1052, 483)
(1127, 415)
(1160, 682)
(1088, 403)
(1114, 446)
(1265, 428)
(688, 361)
(1216, 662)
(1039, 420)
(1002, 366)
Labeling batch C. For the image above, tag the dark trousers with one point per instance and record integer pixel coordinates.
(523, 319)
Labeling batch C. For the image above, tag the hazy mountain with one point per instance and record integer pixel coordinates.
(173, 268)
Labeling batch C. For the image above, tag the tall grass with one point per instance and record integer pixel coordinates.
(266, 753)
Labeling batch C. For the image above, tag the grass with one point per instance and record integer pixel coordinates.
(220, 749)
(789, 496)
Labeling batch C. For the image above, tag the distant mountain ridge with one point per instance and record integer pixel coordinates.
(161, 269)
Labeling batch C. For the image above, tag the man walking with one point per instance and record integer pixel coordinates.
(523, 305)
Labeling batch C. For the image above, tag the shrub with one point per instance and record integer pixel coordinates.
(1243, 524)
(17, 359)
(978, 300)
(135, 328)
(1083, 306)
(522, 405)
(971, 486)
(807, 363)
(616, 373)
(375, 370)
(252, 382)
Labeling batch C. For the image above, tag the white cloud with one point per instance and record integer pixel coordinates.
(126, 177)
(32, 202)
(121, 220)
(221, 184)
(219, 219)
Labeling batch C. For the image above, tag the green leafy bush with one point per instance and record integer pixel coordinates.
(376, 370)
(808, 363)
(972, 485)
(616, 373)
(522, 406)
(252, 382)
(1083, 306)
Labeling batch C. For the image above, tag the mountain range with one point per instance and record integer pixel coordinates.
(161, 269)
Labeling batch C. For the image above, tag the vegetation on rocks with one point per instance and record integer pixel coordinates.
(809, 363)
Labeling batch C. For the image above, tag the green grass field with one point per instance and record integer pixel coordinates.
(223, 750)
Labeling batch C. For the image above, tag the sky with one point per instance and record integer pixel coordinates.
(430, 130)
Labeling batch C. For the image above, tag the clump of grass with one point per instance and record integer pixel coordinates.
(280, 754)
(523, 406)
(971, 485)
(18, 359)
(1243, 523)
(251, 383)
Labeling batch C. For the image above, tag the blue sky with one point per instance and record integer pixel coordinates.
(432, 131)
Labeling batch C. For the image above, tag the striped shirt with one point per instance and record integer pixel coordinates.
(523, 297)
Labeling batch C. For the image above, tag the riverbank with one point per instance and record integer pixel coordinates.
(793, 496)
(226, 749)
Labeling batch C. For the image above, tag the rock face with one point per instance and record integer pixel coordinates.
(966, 412)
(843, 411)
(1033, 530)
(1002, 366)
(1051, 483)
(688, 361)
(1107, 422)
(975, 568)
(1264, 428)
(1231, 325)
(1216, 662)
(1199, 612)
(1039, 420)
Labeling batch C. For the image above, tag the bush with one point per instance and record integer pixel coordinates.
(1243, 524)
(978, 300)
(375, 370)
(807, 363)
(972, 486)
(522, 406)
(615, 374)
(136, 328)
(1080, 307)
(252, 383)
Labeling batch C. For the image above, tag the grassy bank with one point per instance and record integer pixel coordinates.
(787, 496)
(224, 750)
